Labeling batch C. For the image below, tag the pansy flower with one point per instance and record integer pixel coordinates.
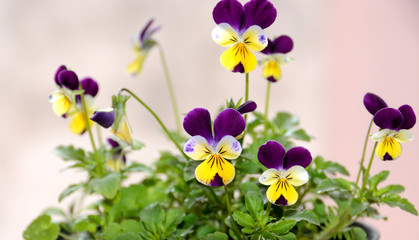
(142, 45)
(285, 170)
(215, 148)
(240, 28)
(393, 124)
(117, 160)
(276, 57)
(62, 99)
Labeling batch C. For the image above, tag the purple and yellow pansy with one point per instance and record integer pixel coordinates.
(240, 28)
(66, 101)
(285, 170)
(393, 124)
(215, 148)
(276, 57)
(142, 45)
(117, 160)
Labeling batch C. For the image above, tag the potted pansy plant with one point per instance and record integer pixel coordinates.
(239, 176)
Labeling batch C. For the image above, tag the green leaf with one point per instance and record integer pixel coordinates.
(333, 184)
(333, 167)
(216, 236)
(390, 189)
(204, 230)
(137, 145)
(139, 167)
(281, 227)
(69, 153)
(42, 229)
(288, 236)
(112, 231)
(254, 205)
(299, 134)
(107, 186)
(375, 180)
(128, 236)
(130, 225)
(357, 207)
(244, 219)
(189, 171)
(358, 233)
(394, 200)
(247, 187)
(249, 167)
(173, 218)
(285, 120)
(153, 217)
(298, 215)
(83, 224)
(69, 190)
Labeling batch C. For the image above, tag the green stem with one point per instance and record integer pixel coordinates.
(268, 91)
(171, 91)
(342, 221)
(268, 209)
(361, 165)
(233, 223)
(367, 172)
(99, 134)
(89, 130)
(157, 118)
(246, 98)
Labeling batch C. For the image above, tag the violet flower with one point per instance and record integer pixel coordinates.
(213, 148)
(240, 28)
(285, 170)
(276, 57)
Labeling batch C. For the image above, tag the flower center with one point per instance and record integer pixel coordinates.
(240, 49)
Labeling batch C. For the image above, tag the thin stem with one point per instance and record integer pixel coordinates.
(268, 209)
(233, 223)
(246, 98)
(361, 165)
(99, 135)
(171, 91)
(268, 91)
(367, 172)
(89, 130)
(157, 118)
(214, 195)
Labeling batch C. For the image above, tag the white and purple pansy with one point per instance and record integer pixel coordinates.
(393, 124)
(240, 28)
(285, 170)
(276, 57)
(215, 148)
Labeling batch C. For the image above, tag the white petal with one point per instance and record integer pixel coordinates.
(229, 147)
(296, 175)
(381, 135)
(404, 136)
(197, 148)
(269, 176)
(224, 35)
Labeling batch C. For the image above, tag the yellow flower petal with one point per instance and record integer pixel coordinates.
(114, 165)
(215, 171)
(255, 39)
(389, 147)
(136, 66)
(238, 54)
(123, 131)
(282, 193)
(271, 69)
(197, 148)
(224, 35)
(229, 147)
(78, 123)
(61, 104)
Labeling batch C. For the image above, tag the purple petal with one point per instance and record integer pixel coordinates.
(271, 154)
(373, 103)
(259, 12)
(68, 79)
(239, 68)
(144, 31)
(198, 122)
(269, 49)
(113, 143)
(60, 69)
(388, 118)
(271, 79)
(408, 116)
(229, 11)
(217, 181)
(90, 86)
(297, 156)
(228, 122)
(281, 201)
(283, 44)
(104, 118)
(147, 32)
(246, 107)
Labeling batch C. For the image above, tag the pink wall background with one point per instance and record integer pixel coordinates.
(343, 49)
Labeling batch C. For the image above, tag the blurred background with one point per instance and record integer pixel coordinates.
(342, 50)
